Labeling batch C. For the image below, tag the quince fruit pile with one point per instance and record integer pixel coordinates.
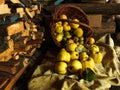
(76, 57)
(64, 31)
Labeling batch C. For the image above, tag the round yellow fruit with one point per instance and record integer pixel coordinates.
(71, 47)
(74, 66)
(59, 37)
(94, 48)
(78, 32)
(59, 29)
(89, 63)
(63, 55)
(74, 25)
(61, 67)
(97, 57)
(63, 16)
(74, 55)
(66, 26)
(58, 23)
(91, 40)
(83, 56)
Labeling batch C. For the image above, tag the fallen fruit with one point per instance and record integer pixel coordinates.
(61, 67)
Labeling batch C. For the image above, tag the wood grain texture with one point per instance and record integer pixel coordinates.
(95, 8)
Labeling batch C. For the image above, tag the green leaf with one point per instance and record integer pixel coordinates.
(88, 74)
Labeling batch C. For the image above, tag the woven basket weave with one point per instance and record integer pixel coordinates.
(72, 11)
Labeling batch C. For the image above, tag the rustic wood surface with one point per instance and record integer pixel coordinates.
(95, 8)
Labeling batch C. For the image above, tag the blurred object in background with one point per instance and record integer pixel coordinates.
(116, 17)
(93, 1)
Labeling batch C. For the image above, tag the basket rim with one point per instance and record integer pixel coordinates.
(54, 19)
(63, 6)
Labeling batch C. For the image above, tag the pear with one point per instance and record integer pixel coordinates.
(63, 55)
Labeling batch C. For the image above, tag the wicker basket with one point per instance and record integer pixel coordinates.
(72, 11)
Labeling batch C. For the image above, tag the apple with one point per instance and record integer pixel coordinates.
(71, 47)
(61, 67)
(78, 32)
(74, 55)
(74, 66)
(63, 55)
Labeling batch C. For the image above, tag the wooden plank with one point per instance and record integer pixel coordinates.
(15, 28)
(94, 8)
(13, 81)
(2, 1)
(4, 9)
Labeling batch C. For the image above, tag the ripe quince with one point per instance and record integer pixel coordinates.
(74, 55)
(63, 55)
(94, 48)
(91, 40)
(74, 25)
(63, 16)
(61, 67)
(59, 29)
(74, 66)
(59, 37)
(97, 57)
(89, 63)
(83, 56)
(58, 23)
(78, 32)
(71, 47)
(66, 26)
